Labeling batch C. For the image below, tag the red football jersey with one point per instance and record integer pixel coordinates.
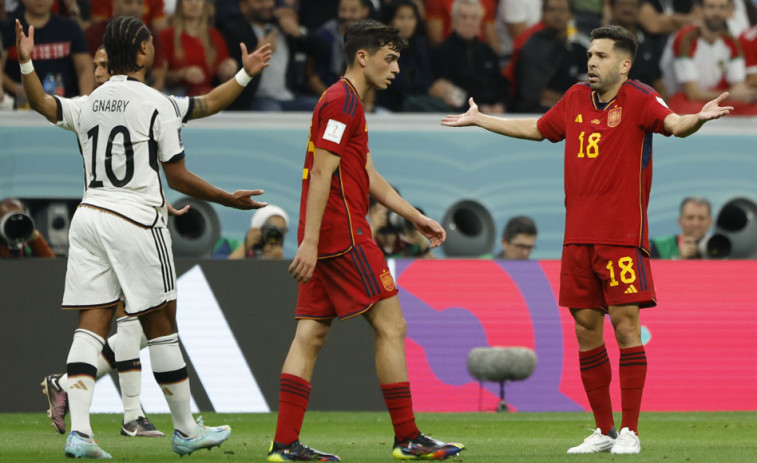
(608, 161)
(338, 125)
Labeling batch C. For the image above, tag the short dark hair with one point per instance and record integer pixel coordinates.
(370, 35)
(623, 38)
(520, 225)
(122, 40)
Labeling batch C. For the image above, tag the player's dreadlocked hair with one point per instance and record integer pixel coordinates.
(624, 40)
(122, 39)
(371, 36)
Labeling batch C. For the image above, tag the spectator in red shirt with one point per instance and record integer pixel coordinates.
(194, 54)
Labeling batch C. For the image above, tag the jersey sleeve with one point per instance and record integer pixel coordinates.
(336, 121)
(552, 124)
(68, 112)
(654, 114)
(167, 132)
(185, 106)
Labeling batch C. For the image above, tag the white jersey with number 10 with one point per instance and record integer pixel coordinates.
(125, 129)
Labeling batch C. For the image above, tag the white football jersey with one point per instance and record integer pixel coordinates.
(125, 130)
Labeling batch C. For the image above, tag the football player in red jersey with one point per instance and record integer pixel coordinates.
(607, 124)
(341, 270)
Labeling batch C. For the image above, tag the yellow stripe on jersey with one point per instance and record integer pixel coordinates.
(305, 173)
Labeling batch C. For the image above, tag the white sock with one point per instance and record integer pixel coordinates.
(171, 374)
(104, 360)
(81, 369)
(127, 348)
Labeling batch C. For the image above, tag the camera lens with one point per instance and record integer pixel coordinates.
(272, 234)
(17, 228)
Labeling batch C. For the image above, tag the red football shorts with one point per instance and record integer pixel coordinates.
(346, 285)
(597, 276)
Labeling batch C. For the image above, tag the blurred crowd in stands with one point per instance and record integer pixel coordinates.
(509, 55)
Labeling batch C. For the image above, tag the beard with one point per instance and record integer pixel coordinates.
(716, 24)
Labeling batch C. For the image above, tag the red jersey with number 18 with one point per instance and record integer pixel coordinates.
(608, 161)
(338, 126)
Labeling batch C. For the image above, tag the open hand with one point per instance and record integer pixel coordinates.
(463, 120)
(712, 109)
(255, 62)
(24, 44)
(174, 211)
(242, 199)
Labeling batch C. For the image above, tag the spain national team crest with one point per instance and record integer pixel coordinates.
(387, 280)
(613, 117)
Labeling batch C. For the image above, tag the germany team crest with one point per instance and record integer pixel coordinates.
(387, 280)
(613, 117)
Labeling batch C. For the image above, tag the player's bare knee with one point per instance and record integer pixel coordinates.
(391, 329)
(627, 334)
(588, 338)
(318, 340)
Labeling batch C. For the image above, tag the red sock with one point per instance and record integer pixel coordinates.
(294, 394)
(633, 373)
(400, 405)
(596, 375)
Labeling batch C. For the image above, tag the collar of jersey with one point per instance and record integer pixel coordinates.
(122, 77)
(597, 104)
(349, 84)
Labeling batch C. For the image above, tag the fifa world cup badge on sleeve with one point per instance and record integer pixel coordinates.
(334, 131)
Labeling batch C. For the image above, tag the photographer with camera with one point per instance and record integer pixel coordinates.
(18, 237)
(395, 236)
(265, 238)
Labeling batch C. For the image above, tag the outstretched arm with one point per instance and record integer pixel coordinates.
(516, 128)
(388, 196)
(683, 126)
(223, 95)
(184, 181)
(35, 93)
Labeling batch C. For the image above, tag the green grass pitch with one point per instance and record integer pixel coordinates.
(729, 437)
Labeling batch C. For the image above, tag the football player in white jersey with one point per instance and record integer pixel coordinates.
(120, 247)
(121, 351)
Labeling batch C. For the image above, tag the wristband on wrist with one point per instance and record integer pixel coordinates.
(242, 77)
(27, 67)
